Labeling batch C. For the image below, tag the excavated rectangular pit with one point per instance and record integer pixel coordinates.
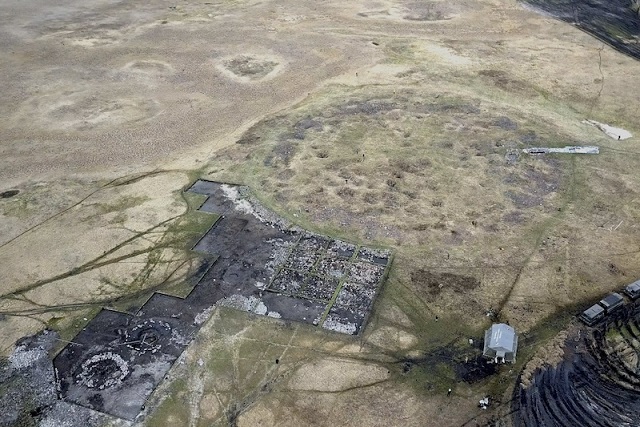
(253, 262)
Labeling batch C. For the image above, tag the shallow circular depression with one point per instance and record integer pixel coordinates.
(149, 67)
(250, 67)
(82, 110)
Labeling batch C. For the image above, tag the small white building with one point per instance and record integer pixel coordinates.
(500, 343)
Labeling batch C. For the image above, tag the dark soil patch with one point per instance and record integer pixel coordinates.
(286, 174)
(413, 166)
(466, 361)
(437, 282)
(529, 137)
(248, 66)
(9, 193)
(503, 80)
(369, 107)
(450, 106)
(514, 217)
(505, 123)
(304, 125)
(523, 200)
(543, 183)
(615, 270)
(475, 369)
(346, 192)
(283, 152)
(252, 135)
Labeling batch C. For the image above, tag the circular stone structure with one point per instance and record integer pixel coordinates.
(102, 370)
(147, 336)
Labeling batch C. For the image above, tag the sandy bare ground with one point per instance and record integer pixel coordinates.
(110, 108)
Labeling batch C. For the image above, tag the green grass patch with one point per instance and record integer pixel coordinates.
(174, 409)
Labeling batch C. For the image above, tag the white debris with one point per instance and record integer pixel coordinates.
(613, 132)
(241, 204)
(260, 309)
(202, 317)
(89, 374)
(570, 149)
(484, 403)
(178, 338)
(240, 302)
(335, 325)
(21, 357)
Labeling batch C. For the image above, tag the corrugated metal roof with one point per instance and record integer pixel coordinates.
(611, 300)
(634, 287)
(593, 311)
(502, 337)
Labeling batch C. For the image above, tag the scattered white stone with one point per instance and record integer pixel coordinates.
(88, 377)
(570, 149)
(484, 403)
(202, 317)
(274, 314)
(334, 325)
(178, 338)
(260, 309)
(240, 302)
(613, 132)
(241, 204)
(21, 358)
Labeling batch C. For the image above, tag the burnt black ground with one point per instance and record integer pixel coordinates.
(612, 21)
(252, 261)
(597, 383)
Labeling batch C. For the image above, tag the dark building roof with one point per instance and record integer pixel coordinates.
(633, 290)
(593, 312)
(592, 315)
(611, 301)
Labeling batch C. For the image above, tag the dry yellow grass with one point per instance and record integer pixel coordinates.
(438, 97)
